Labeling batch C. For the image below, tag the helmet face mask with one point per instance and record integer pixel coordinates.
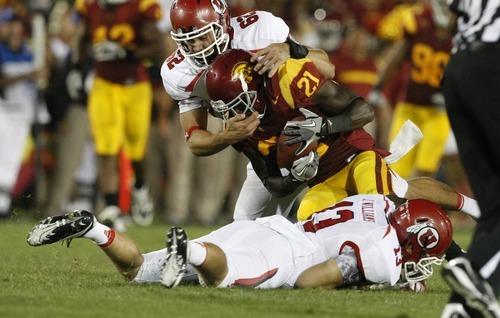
(201, 59)
(234, 87)
(200, 20)
(242, 104)
(111, 2)
(421, 270)
(425, 233)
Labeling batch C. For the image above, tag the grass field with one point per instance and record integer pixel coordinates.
(55, 281)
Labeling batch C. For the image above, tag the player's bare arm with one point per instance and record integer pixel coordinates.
(322, 62)
(324, 275)
(303, 169)
(270, 175)
(347, 111)
(205, 143)
(274, 55)
(334, 99)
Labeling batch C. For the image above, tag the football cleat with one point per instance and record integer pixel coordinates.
(454, 310)
(61, 228)
(177, 251)
(476, 291)
(142, 210)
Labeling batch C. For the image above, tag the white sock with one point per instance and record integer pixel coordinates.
(101, 234)
(468, 206)
(197, 253)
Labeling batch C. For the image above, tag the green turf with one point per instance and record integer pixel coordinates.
(55, 281)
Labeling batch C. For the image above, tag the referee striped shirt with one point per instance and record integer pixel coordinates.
(478, 21)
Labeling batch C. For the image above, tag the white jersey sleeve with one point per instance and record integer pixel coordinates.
(257, 29)
(178, 78)
(252, 31)
(360, 222)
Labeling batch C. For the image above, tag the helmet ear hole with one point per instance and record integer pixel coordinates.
(422, 220)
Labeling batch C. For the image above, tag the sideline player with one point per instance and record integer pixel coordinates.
(122, 34)
(425, 45)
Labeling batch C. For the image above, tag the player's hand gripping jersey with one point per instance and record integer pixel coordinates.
(252, 31)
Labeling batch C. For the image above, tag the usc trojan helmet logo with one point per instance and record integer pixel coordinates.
(242, 71)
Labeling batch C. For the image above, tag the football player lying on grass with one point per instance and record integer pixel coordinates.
(363, 239)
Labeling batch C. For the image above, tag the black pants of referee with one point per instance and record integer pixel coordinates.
(471, 86)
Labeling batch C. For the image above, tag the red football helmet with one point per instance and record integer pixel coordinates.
(193, 19)
(233, 85)
(425, 233)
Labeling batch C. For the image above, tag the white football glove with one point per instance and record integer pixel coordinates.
(108, 51)
(305, 168)
(306, 131)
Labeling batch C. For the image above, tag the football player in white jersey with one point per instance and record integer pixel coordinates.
(203, 29)
(364, 239)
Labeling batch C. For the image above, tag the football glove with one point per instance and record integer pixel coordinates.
(306, 131)
(305, 168)
(108, 51)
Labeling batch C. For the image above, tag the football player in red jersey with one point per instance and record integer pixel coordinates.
(349, 162)
(122, 34)
(426, 45)
(203, 29)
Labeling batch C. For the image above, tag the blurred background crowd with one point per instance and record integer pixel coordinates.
(48, 164)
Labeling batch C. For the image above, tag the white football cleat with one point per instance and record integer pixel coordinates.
(177, 251)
